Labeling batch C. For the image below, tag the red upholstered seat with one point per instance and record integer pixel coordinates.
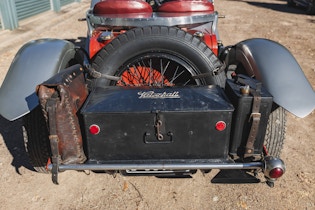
(187, 6)
(122, 7)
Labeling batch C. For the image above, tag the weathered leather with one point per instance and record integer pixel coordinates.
(70, 89)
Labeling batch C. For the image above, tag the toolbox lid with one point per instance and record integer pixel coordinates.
(113, 99)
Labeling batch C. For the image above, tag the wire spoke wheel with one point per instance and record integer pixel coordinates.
(157, 70)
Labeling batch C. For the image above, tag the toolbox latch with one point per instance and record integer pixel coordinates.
(160, 136)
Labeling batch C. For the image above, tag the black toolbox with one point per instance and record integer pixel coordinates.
(157, 123)
(242, 121)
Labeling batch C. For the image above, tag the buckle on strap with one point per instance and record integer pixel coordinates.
(254, 116)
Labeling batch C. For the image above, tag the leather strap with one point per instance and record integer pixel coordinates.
(53, 137)
(255, 118)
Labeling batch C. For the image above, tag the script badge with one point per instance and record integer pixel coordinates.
(154, 95)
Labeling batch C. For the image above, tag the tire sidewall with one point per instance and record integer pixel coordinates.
(140, 42)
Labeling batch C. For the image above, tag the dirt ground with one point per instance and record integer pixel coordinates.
(22, 188)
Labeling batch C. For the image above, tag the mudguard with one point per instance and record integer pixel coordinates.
(275, 66)
(34, 63)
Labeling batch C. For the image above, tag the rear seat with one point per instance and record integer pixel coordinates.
(124, 7)
(186, 6)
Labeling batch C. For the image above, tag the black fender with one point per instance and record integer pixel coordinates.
(277, 69)
(33, 64)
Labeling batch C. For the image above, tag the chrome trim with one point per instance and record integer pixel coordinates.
(156, 19)
(159, 166)
(271, 163)
(214, 26)
(147, 172)
(89, 25)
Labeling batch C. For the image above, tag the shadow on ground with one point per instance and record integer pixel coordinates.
(13, 138)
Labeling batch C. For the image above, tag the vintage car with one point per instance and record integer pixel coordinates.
(309, 5)
(155, 92)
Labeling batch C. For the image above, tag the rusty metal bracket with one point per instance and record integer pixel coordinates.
(255, 118)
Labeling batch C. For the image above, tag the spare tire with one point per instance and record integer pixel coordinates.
(157, 56)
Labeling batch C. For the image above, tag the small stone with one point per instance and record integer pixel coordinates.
(215, 199)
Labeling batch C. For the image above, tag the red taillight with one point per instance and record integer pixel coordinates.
(276, 173)
(220, 126)
(94, 129)
(274, 167)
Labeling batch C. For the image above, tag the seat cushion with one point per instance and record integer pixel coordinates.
(121, 7)
(187, 6)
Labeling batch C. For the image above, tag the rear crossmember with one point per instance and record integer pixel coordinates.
(272, 168)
